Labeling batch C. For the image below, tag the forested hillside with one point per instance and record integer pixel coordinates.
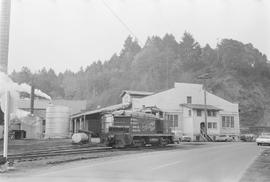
(240, 73)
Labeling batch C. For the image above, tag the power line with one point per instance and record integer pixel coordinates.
(120, 20)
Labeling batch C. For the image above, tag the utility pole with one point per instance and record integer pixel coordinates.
(205, 107)
(167, 66)
(204, 77)
(4, 44)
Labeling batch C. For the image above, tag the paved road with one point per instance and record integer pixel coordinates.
(214, 163)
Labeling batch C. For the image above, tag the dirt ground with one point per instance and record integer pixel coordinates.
(47, 162)
(28, 145)
(259, 171)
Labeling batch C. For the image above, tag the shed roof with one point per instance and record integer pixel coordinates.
(104, 109)
(200, 106)
(138, 93)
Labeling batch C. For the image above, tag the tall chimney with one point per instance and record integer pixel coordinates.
(32, 99)
(4, 34)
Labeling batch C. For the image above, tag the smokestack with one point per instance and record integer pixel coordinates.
(4, 33)
(32, 99)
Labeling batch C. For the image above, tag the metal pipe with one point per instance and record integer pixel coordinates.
(7, 107)
(4, 33)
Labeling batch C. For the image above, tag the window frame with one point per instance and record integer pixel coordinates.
(189, 113)
(172, 119)
(189, 100)
(209, 125)
(175, 120)
(199, 111)
(227, 121)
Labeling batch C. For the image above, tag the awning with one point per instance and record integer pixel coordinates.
(200, 106)
(103, 110)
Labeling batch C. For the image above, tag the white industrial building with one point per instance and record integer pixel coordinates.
(184, 106)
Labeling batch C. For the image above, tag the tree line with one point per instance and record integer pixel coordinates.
(239, 72)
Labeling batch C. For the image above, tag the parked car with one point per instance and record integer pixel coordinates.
(186, 139)
(263, 140)
(248, 137)
(224, 138)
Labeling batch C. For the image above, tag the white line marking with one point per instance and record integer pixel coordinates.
(165, 165)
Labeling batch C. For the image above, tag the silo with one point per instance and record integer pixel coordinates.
(57, 122)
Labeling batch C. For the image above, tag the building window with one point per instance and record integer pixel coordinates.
(212, 113)
(189, 112)
(232, 122)
(209, 125)
(223, 121)
(199, 112)
(209, 113)
(172, 119)
(227, 121)
(175, 120)
(212, 125)
(189, 99)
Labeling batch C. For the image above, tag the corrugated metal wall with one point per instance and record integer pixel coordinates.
(4, 33)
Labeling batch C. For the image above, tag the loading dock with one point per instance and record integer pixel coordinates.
(92, 120)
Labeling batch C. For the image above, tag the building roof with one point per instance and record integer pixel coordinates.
(135, 93)
(200, 106)
(104, 109)
(41, 104)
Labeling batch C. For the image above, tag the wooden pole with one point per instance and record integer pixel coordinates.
(7, 111)
(205, 109)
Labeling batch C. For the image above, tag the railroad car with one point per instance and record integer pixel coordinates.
(138, 129)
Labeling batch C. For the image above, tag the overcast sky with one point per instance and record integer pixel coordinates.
(68, 34)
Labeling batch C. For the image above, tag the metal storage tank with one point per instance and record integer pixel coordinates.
(1, 131)
(57, 122)
(78, 138)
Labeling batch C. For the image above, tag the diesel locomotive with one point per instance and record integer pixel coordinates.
(138, 129)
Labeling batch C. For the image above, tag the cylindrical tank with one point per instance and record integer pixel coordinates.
(57, 122)
(1, 131)
(80, 138)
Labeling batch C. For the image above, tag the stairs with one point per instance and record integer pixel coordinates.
(206, 137)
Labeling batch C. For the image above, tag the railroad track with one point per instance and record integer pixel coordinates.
(57, 152)
(72, 150)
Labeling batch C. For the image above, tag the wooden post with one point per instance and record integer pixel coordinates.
(75, 125)
(80, 126)
(84, 122)
(205, 111)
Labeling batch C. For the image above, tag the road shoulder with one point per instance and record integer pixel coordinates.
(259, 169)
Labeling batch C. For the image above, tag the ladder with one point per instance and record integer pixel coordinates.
(205, 136)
